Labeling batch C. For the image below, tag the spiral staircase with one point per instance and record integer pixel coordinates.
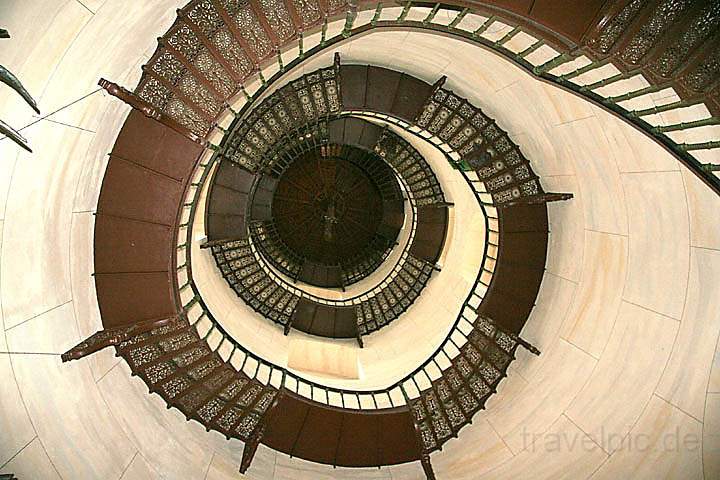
(251, 144)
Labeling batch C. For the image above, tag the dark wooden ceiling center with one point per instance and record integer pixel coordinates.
(326, 208)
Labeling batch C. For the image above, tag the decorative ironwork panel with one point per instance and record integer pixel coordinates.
(268, 241)
(302, 92)
(200, 95)
(250, 281)
(482, 144)
(176, 342)
(215, 74)
(246, 427)
(662, 18)
(168, 67)
(229, 418)
(207, 19)
(233, 52)
(366, 261)
(391, 301)
(187, 117)
(178, 365)
(462, 390)
(160, 96)
(335, 6)
(412, 168)
(144, 355)
(208, 411)
(606, 39)
(184, 40)
(278, 18)
(154, 92)
(250, 28)
(705, 74)
(174, 387)
(308, 10)
(705, 24)
(301, 105)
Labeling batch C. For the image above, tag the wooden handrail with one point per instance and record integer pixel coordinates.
(112, 337)
(149, 111)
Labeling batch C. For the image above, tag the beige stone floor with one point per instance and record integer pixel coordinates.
(627, 386)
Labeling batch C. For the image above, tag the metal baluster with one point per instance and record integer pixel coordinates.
(699, 146)
(208, 333)
(458, 18)
(197, 320)
(552, 63)
(404, 393)
(281, 66)
(531, 48)
(324, 32)
(349, 21)
(378, 11)
(416, 384)
(663, 108)
(508, 36)
(606, 81)
(481, 29)
(404, 12)
(634, 94)
(245, 93)
(684, 125)
(431, 15)
(220, 344)
(242, 367)
(232, 353)
(191, 303)
(585, 69)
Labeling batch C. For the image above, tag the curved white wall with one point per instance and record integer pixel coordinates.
(627, 319)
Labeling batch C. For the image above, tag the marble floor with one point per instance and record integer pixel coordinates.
(628, 316)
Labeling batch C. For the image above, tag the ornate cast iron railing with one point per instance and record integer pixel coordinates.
(683, 61)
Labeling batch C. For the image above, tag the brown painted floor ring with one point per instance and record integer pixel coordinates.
(137, 216)
(326, 209)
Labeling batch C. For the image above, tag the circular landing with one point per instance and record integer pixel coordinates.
(327, 208)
